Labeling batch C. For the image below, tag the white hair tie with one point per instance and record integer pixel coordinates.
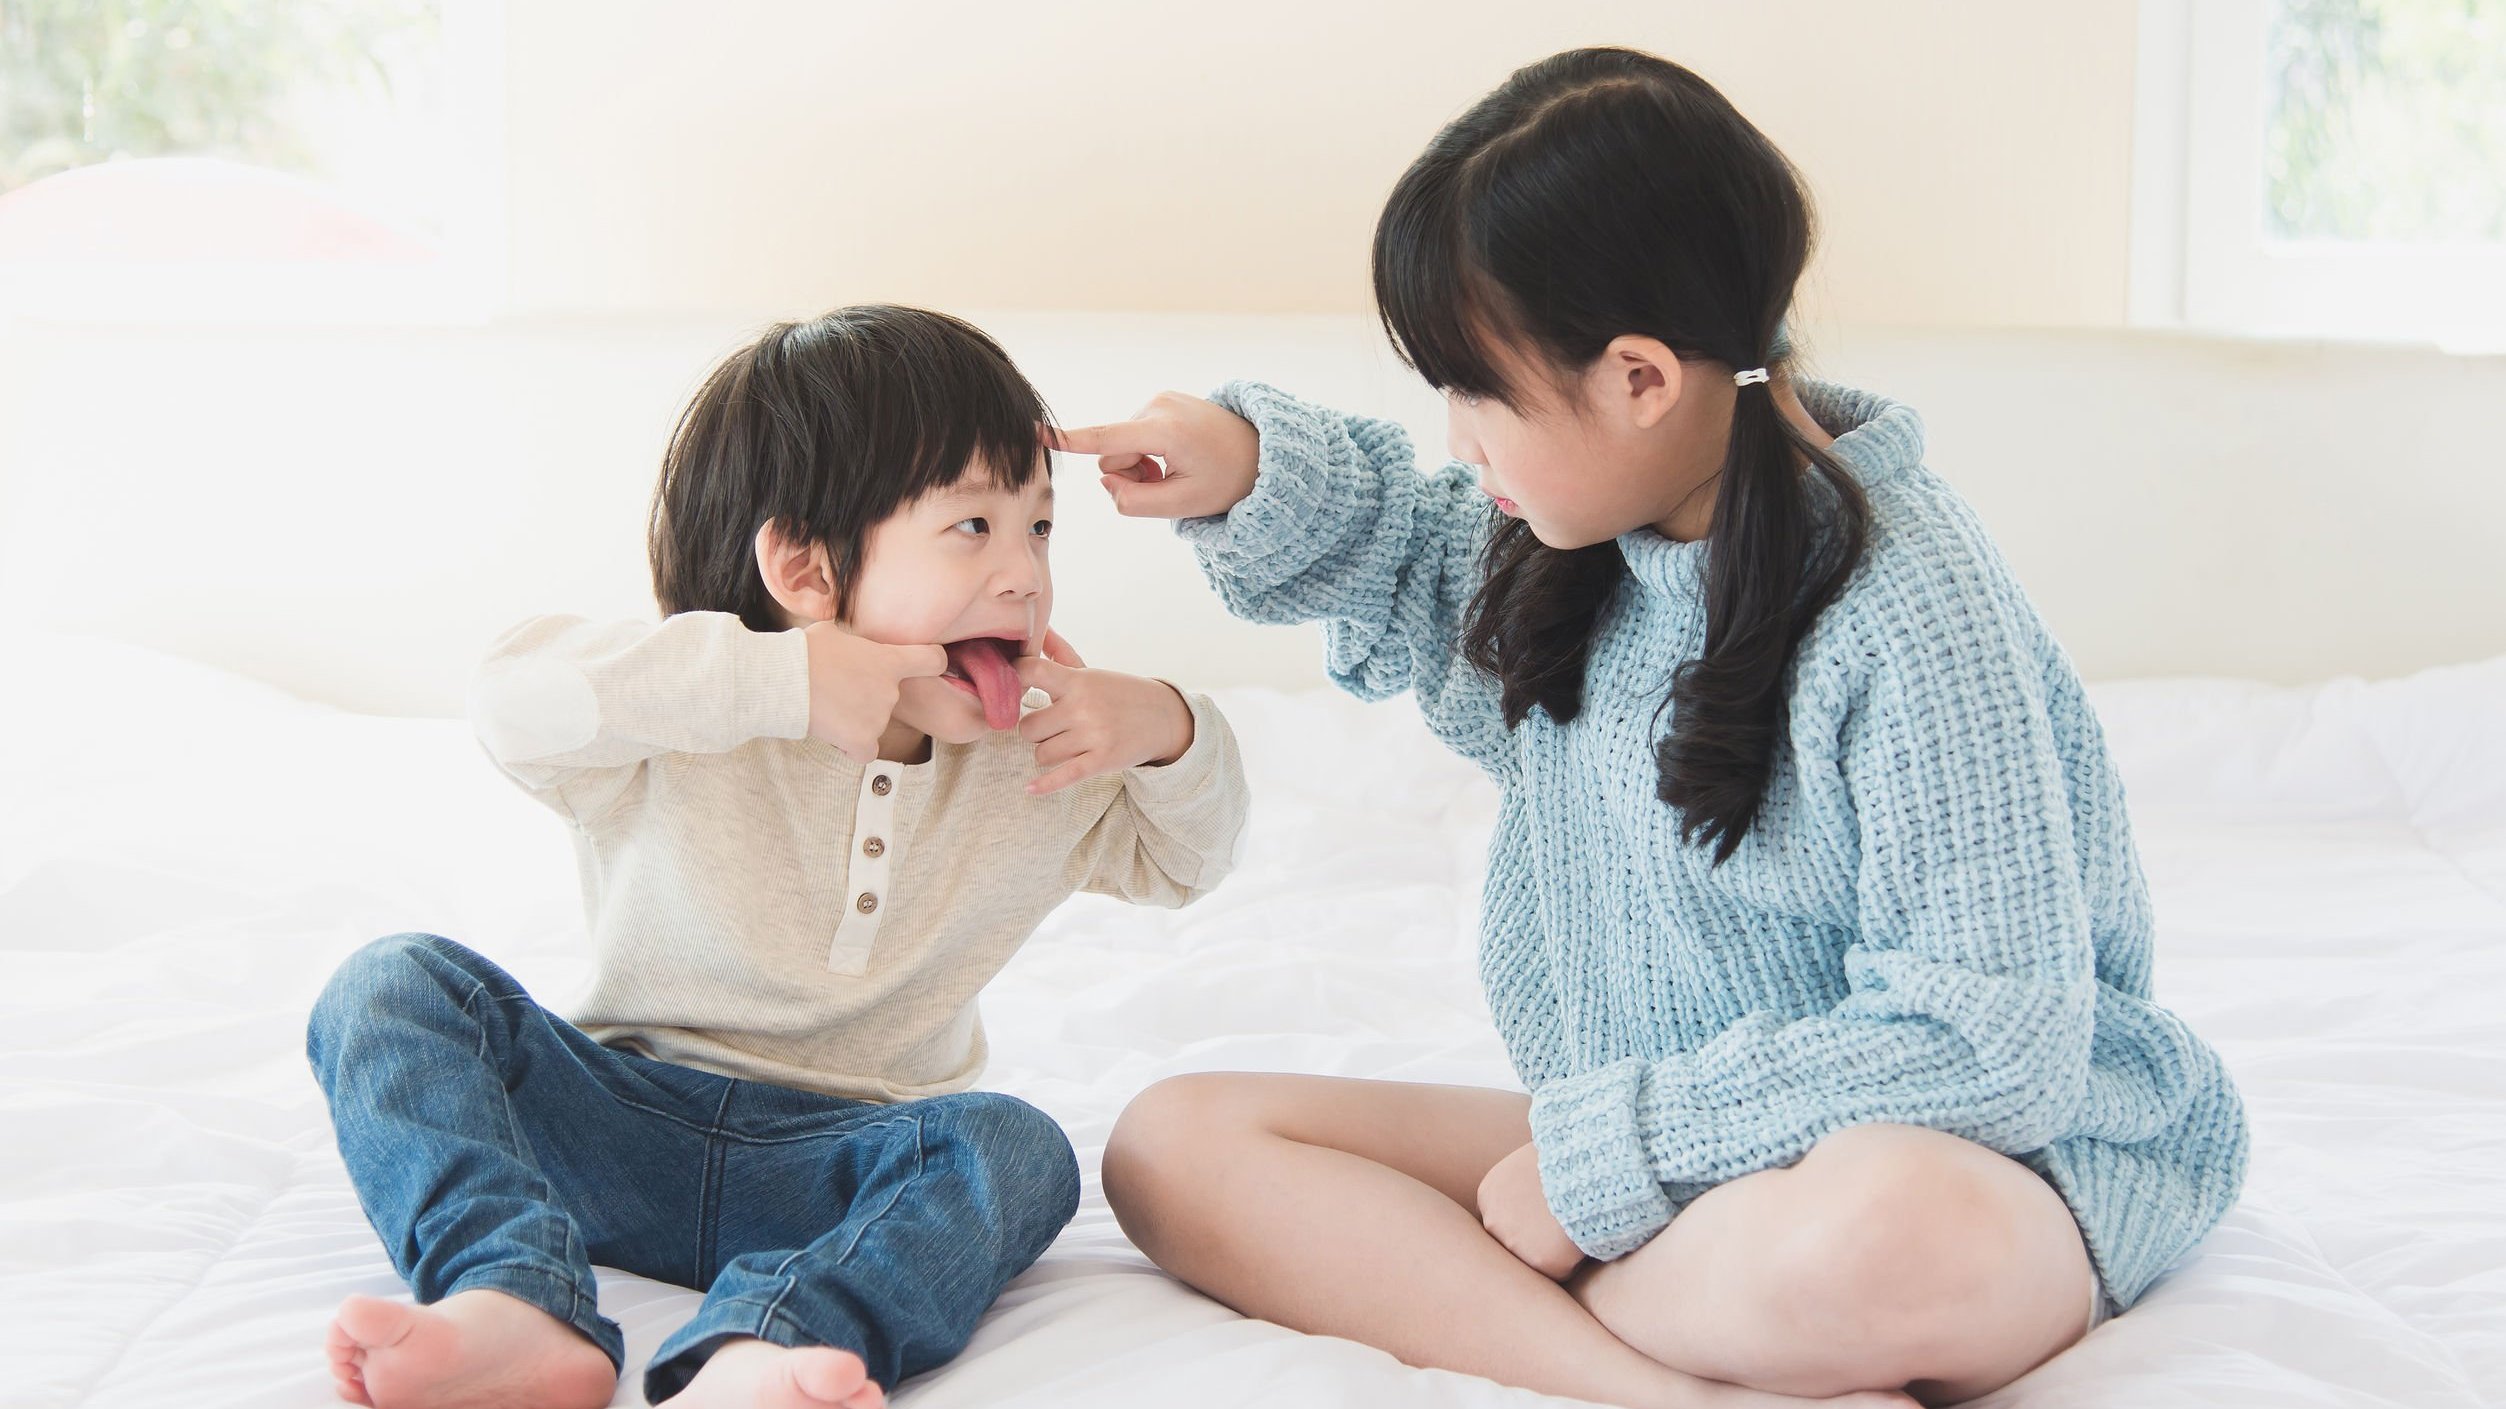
(1749, 378)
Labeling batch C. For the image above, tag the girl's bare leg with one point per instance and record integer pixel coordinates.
(1889, 1255)
(1349, 1208)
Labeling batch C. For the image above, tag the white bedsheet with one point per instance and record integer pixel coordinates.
(184, 855)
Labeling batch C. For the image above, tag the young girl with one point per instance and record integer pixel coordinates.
(809, 835)
(1812, 920)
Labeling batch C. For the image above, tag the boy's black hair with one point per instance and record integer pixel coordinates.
(828, 427)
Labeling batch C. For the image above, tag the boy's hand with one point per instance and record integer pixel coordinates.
(1209, 457)
(853, 683)
(1100, 721)
(1516, 1213)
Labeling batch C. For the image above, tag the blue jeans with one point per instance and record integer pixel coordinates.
(494, 1145)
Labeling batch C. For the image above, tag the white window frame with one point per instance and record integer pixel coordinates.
(2200, 258)
(468, 286)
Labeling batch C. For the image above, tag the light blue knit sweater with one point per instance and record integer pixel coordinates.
(1938, 919)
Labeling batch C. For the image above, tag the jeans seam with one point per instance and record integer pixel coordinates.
(770, 1313)
(921, 1164)
(705, 1192)
(774, 1309)
(576, 1254)
(738, 1137)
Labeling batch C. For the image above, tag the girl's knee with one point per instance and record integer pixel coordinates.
(1167, 1127)
(1907, 1238)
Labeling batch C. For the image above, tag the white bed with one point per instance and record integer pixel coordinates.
(185, 854)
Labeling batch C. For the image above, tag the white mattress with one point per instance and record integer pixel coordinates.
(184, 855)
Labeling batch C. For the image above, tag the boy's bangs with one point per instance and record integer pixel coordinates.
(996, 450)
(974, 415)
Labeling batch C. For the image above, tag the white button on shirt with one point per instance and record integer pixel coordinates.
(874, 823)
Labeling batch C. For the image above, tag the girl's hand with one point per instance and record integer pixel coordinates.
(1516, 1213)
(853, 685)
(1179, 458)
(1100, 721)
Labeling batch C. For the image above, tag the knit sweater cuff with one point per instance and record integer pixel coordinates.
(1284, 526)
(1593, 1168)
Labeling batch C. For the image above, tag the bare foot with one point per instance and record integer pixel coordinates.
(472, 1350)
(748, 1373)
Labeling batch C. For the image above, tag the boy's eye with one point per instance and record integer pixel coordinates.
(980, 526)
(1043, 528)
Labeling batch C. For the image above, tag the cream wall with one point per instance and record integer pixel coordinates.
(1166, 196)
(1970, 161)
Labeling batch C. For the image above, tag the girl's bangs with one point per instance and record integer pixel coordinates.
(1440, 311)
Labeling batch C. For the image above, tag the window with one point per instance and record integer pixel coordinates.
(2323, 168)
(249, 160)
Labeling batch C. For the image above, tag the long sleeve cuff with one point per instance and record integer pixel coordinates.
(773, 672)
(1593, 1168)
(1195, 771)
(1190, 813)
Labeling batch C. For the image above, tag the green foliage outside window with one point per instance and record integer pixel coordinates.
(2387, 121)
(86, 81)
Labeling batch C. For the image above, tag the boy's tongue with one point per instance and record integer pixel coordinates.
(987, 667)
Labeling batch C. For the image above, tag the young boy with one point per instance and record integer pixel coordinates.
(813, 818)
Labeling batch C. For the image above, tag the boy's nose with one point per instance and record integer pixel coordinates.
(1020, 572)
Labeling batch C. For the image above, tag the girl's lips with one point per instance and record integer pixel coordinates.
(1504, 505)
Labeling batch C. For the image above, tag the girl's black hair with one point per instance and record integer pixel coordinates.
(828, 427)
(1597, 193)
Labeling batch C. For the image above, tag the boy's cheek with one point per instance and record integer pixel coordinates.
(889, 629)
(940, 711)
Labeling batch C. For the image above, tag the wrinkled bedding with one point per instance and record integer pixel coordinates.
(185, 854)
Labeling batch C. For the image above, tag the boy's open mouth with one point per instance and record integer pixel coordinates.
(985, 667)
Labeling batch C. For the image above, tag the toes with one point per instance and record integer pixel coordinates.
(828, 1374)
(373, 1323)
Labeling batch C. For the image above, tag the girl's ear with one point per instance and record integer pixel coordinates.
(799, 575)
(1642, 379)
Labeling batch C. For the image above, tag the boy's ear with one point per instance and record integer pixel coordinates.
(799, 574)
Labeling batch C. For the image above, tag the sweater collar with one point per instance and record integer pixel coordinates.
(1876, 439)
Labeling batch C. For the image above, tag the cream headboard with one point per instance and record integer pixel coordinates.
(352, 514)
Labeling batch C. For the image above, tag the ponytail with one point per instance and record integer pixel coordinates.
(1776, 555)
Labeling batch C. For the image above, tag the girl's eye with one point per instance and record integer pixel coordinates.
(1043, 528)
(981, 526)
